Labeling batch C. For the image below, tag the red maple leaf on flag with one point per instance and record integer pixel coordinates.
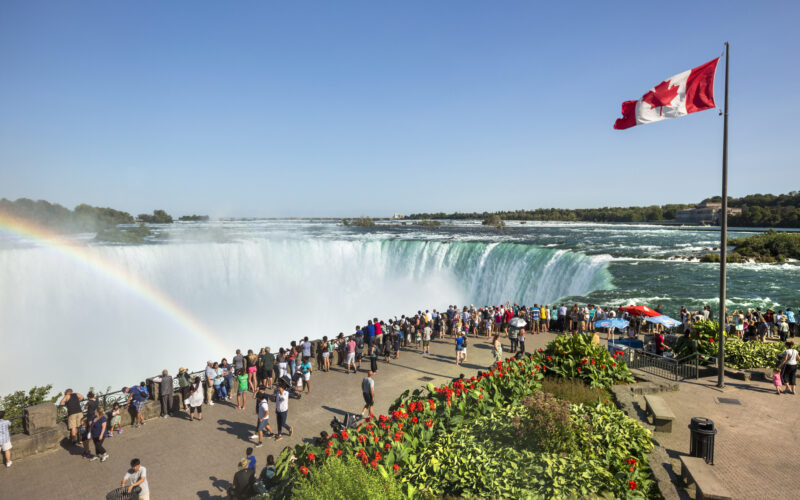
(662, 95)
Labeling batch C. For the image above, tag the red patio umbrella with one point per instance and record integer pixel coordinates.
(639, 311)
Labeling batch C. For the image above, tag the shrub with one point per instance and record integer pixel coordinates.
(546, 424)
(752, 354)
(17, 401)
(738, 354)
(574, 356)
(575, 391)
(484, 459)
(346, 479)
(702, 339)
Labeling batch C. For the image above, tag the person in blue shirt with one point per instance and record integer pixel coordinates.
(305, 369)
(251, 460)
(459, 348)
(370, 333)
(792, 324)
(137, 395)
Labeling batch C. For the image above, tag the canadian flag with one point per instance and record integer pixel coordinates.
(684, 93)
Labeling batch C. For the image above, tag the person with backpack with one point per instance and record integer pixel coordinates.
(265, 478)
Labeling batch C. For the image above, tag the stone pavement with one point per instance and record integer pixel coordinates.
(756, 443)
(190, 460)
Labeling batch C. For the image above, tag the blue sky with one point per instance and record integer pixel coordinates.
(348, 108)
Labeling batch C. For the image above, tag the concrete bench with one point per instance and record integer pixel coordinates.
(707, 484)
(662, 415)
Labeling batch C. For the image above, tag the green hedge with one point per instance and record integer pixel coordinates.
(575, 357)
(738, 354)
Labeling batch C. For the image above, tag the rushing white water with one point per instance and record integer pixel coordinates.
(66, 324)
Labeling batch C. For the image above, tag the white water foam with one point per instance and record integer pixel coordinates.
(83, 330)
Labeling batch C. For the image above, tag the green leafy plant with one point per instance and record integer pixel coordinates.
(704, 339)
(575, 357)
(752, 354)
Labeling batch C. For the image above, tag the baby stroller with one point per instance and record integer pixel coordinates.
(349, 421)
(290, 384)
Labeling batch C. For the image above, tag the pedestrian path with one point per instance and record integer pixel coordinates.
(756, 442)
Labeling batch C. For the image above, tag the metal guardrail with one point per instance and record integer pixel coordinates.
(105, 402)
(671, 368)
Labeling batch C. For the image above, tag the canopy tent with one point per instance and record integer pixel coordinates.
(612, 323)
(666, 321)
(639, 311)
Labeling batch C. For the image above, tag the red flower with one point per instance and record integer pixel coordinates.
(480, 396)
(414, 420)
(327, 451)
(632, 484)
(711, 340)
(376, 439)
(330, 443)
(549, 358)
(540, 350)
(614, 365)
(374, 463)
(396, 467)
(388, 446)
(594, 362)
(304, 470)
(344, 435)
(602, 367)
(579, 368)
(631, 469)
(429, 422)
(311, 457)
(338, 452)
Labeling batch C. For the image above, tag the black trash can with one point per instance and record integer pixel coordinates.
(701, 442)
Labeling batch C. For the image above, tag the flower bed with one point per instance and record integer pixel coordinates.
(738, 354)
(466, 429)
(575, 357)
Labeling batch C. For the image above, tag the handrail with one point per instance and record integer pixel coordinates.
(105, 402)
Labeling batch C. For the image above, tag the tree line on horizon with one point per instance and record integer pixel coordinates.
(83, 218)
(758, 210)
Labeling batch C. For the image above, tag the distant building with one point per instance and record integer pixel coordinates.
(707, 212)
(398, 216)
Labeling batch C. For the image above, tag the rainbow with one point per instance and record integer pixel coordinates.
(114, 274)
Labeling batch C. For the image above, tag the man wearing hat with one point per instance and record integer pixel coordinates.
(184, 383)
(210, 374)
(242, 486)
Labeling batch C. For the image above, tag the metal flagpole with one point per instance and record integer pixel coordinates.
(723, 233)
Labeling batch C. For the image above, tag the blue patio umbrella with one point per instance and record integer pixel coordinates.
(666, 321)
(612, 323)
